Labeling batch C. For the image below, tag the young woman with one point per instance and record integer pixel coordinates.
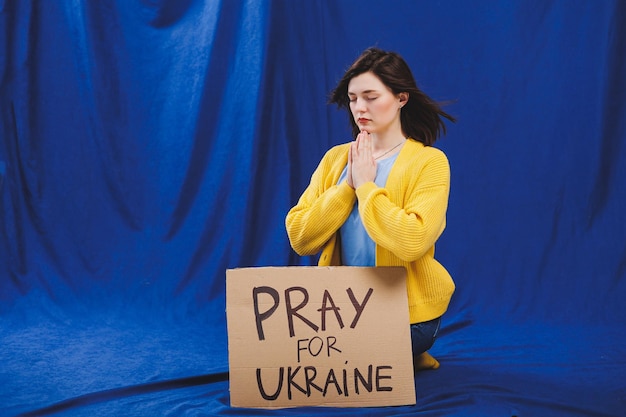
(381, 200)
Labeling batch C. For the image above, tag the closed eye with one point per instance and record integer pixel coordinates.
(352, 99)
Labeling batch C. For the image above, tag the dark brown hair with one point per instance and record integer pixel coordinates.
(420, 118)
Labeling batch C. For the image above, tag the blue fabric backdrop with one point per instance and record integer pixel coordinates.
(148, 145)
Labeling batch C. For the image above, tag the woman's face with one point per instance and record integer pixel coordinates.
(373, 105)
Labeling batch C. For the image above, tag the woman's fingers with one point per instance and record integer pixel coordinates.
(364, 144)
(349, 168)
(362, 163)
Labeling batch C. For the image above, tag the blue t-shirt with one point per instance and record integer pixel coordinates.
(357, 248)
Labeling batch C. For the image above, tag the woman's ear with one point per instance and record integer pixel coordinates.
(404, 98)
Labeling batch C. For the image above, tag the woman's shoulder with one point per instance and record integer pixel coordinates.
(334, 158)
(342, 147)
(337, 151)
(418, 149)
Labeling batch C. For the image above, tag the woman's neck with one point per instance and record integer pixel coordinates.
(384, 141)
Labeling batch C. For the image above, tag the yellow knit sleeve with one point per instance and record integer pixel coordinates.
(321, 210)
(408, 216)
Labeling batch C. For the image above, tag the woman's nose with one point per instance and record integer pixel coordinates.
(359, 105)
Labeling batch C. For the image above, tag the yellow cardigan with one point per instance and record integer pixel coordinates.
(404, 219)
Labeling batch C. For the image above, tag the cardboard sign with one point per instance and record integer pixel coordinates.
(319, 336)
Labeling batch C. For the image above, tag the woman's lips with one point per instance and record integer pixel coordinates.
(363, 120)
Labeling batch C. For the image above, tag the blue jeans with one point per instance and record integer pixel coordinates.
(423, 335)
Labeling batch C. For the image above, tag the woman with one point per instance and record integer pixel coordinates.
(381, 200)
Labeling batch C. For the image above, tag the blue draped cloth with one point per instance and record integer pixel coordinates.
(148, 146)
